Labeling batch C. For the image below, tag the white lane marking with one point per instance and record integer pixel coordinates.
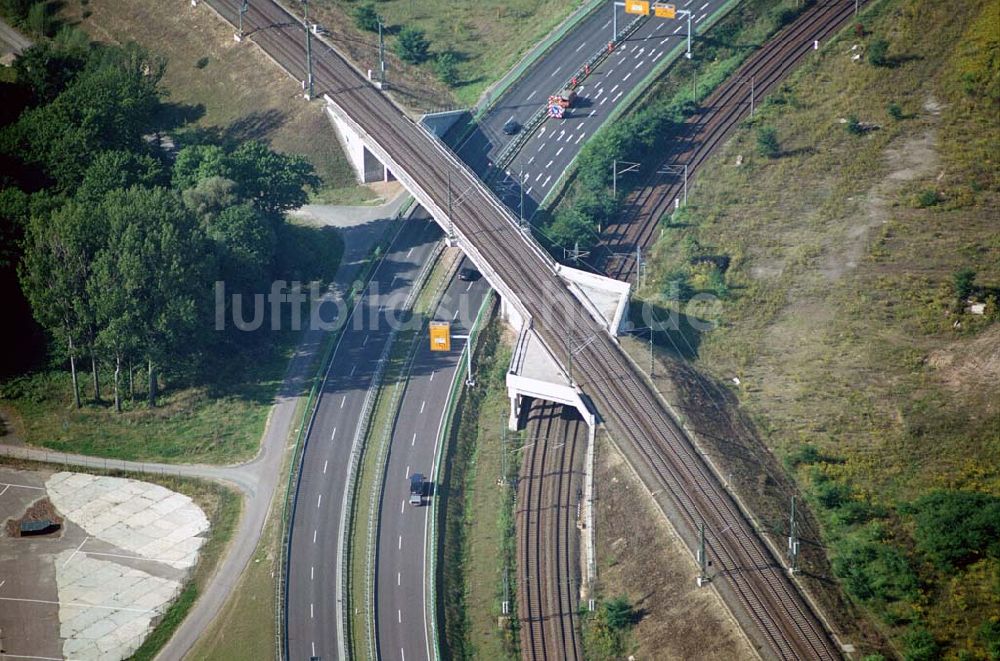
(583, 134)
(4, 490)
(402, 506)
(560, 149)
(603, 100)
(2, 583)
(658, 56)
(408, 252)
(22, 486)
(399, 616)
(664, 40)
(579, 48)
(365, 341)
(530, 160)
(610, 71)
(312, 573)
(613, 89)
(455, 316)
(76, 551)
(314, 536)
(561, 134)
(319, 500)
(623, 80)
(314, 648)
(550, 164)
(541, 132)
(639, 54)
(413, 441)
(325, 462)
(679, 28)
(700, 18)
(422, 405)
(556, 71)
(334, 434)
(703, 7)
(400, 544)
(546, 182)
(466, 289)
(687, 3)
(342, 400)
(433, 372)
(311, 614)
(528, 98)
(353, 369)
(399, 578)
(407, 471)
(606, 24)
(638, 65)
(599, 92)
(528, 192)
(539, 177)
(402, 654)
(541, 146)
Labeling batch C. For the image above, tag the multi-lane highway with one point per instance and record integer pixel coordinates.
(747, 569)
(403, 568)
(313, 558)
(552, 148)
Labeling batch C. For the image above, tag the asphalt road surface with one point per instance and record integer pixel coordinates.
(541, 79)
(312, 571)
(553, 147)
(403, 572)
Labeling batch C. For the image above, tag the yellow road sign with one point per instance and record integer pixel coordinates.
(440, 336)
(637, 7)
(662, 10)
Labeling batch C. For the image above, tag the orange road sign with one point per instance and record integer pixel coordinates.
(637, 7)
(662, 10)
(440, 336)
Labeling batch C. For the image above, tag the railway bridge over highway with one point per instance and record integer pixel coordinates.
(538, 296)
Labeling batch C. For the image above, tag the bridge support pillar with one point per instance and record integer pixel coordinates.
(367, 167)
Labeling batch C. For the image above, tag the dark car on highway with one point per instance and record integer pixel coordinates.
(511, 127)
(469, 275)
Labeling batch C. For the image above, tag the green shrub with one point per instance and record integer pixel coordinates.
(927, 198)
(446, 68)
(964, 283)
(920, 645)
(955, 528)
(201, 63)
(412, 45)
(767, 142)
(989, 634)
(807, 453)
(38, 19)
(895, 111)
(878, 53)
(853, 125)
(619, 614)
(873, 571)
(677, 286)
(366, 18)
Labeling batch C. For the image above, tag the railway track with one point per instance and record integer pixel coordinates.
(547, 542)
(761, 591)
(703, 133)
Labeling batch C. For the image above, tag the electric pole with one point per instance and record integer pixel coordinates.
(703, 577)
(310, 90)
(520, 187)
(793, 542)
(244, 8)
(381, 57)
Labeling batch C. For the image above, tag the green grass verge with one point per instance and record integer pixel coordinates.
(833, 265)
(476, 516)
(486, 39)
(219, 419)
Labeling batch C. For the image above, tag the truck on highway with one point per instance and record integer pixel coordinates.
(559, 104)
(417, 489)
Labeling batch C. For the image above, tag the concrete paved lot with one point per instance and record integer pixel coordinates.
(95, 588)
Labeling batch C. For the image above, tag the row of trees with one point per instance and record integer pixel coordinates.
(121, 243)
(411, 45)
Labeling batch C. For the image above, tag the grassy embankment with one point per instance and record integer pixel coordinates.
(486, 40)
(840, 264)
(477, 520)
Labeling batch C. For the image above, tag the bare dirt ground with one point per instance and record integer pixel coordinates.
(640, 556)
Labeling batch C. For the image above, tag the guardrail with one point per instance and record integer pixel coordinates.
(442, 444)
(309, 412)
(508, 153)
